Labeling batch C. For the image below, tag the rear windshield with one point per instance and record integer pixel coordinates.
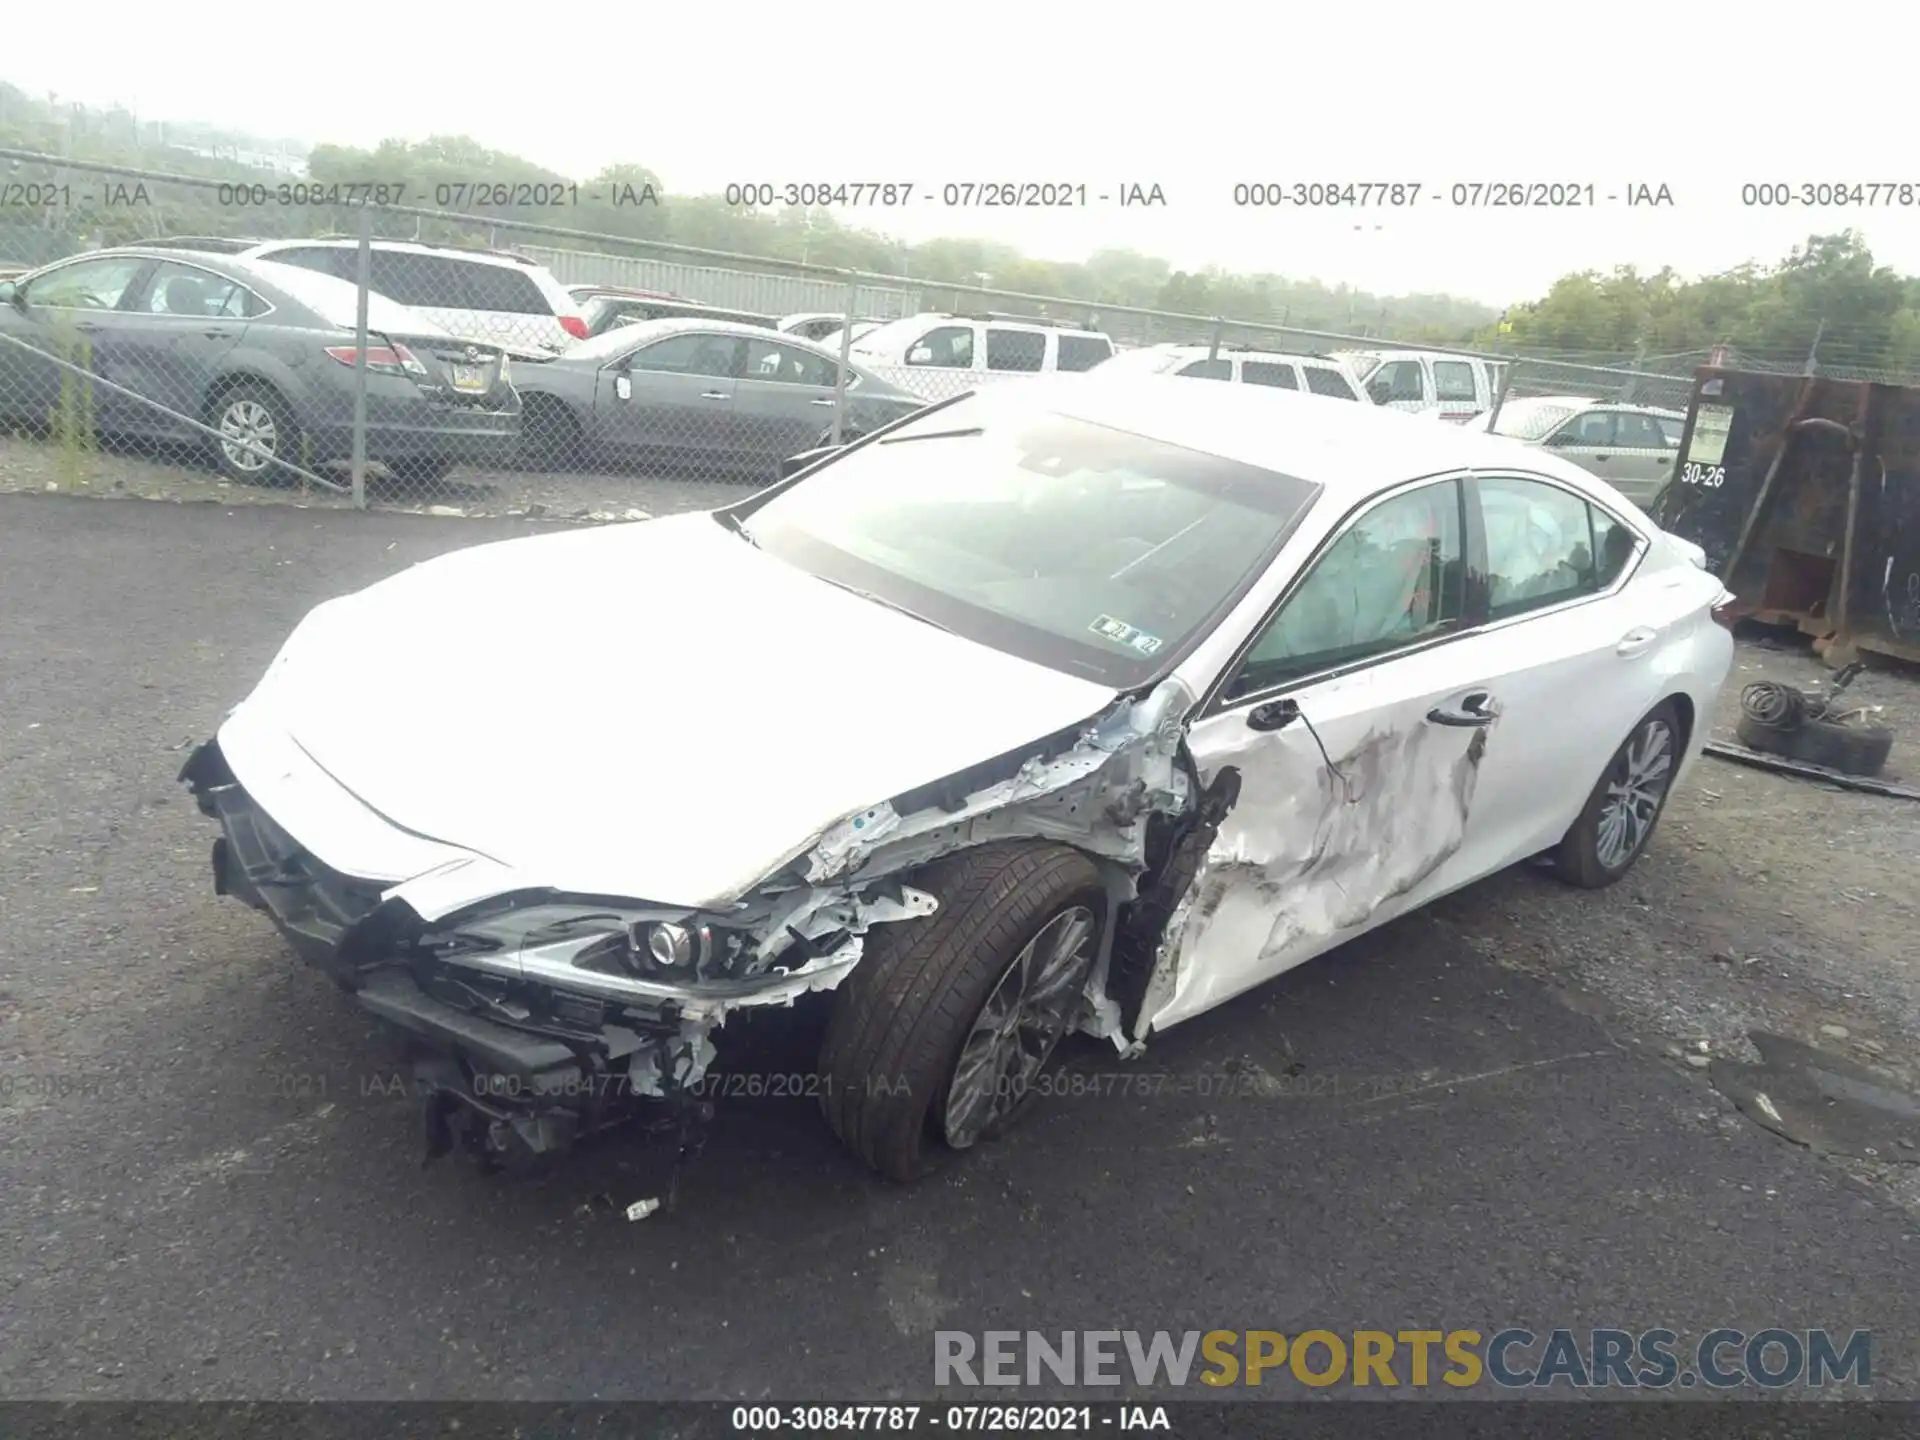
(1083, 548)
(337, 301)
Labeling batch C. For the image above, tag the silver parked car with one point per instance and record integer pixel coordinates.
(1631, 447)
(733, 398)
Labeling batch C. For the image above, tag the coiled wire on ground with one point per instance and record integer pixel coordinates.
(1779, 707)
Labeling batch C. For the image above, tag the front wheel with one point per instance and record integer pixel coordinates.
(939, 1037)
(1620, 814)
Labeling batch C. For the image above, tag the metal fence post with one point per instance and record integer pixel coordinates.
(1213, 342)
(1506, 383)
(1630, 389)
(363, 271)
(1813, 350)
(846, 347)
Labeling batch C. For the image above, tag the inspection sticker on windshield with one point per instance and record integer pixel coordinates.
(1121, 633)
(1711, 425)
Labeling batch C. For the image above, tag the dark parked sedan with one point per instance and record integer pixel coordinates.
(262, 353)
(706, 395)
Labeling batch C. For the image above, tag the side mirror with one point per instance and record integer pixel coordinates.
(1560, 439)
(920, 355)
(13, 295)
(623, 383)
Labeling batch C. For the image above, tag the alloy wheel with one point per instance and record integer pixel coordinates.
(1636, 789)
(1019, 1026)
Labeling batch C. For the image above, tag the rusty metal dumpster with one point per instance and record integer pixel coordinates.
(1805, 494)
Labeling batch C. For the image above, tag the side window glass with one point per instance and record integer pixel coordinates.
(1453, 380)
(689, 355)
(1208, 369)
(787, 365)
(1266, 372)
(183, 290)
(1024, 350)
(90, 285)
(1540, 545)
(1614, 543)
(1639, 432)
(1322, 381)
(1401, 380)
(1397, 575)
(1591, 429)
(950, 347)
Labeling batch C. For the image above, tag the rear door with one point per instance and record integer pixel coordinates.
(783, 400)
(182, 323)
(1573, 659)
(1457, 388)
(675, 394)
(1014, 351)
(1587, 439)
(1643, 460)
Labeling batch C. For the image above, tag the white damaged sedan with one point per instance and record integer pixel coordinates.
(1085, 704)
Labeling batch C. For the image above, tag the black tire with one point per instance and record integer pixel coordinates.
(549, 434)
(1584, 856)
(900, 1019)
(241, 405)
(1850, 749)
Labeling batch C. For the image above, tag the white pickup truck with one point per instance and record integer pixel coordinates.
(1457, 386)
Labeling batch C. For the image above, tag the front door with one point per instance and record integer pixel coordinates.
(675, 395)
(1358, 737)
(69, 324)
(181, 324)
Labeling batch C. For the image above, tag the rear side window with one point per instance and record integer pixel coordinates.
(1083, 352)
(1208, 370)
(1322, 381)
(424, 280)
(1024, 350)
(1266, 372)
(1546, 545)
(503, 288)
(1453, 380)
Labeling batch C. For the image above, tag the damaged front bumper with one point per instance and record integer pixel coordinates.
(536, 1020)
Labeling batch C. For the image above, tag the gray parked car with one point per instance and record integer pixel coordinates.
(719, 396)
(1631, 447)
(262, 353)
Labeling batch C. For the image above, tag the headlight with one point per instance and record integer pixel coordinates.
(675, 945)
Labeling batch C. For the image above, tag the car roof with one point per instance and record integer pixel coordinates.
(409, 247)
(1588, 402)
(673, 324)
(1012, 321)
(1351, 450)
(1246, 352)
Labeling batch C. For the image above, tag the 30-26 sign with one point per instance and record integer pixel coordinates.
(1710, 476)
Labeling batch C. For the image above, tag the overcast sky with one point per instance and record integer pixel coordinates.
(1193, 97)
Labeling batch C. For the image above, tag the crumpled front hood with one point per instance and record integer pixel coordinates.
(654, 710)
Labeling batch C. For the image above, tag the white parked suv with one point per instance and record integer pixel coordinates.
(937, 355)
(1457, 386)
(1316, 374)
(489, 295)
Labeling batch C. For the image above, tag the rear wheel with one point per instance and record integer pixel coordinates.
(938, 1036)
(1625, 805)
(257, 429)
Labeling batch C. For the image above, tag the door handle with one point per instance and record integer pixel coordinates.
(1603, 458)
(1636, 640)
(1474, 710)
(216, 334)
(714, 395)
(820, 402)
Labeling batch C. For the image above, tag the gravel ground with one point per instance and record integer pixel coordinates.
(1491, 1113)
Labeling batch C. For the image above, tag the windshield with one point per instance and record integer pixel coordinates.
(1076, 546)
(1532, 419)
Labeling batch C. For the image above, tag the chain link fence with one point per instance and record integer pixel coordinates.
(275, 339)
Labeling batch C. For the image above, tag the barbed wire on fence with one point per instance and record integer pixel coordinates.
(496, 362)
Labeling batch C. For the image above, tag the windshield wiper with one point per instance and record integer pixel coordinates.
(882, 601)
(935, 435)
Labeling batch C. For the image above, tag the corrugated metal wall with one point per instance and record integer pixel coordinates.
(735, 289)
